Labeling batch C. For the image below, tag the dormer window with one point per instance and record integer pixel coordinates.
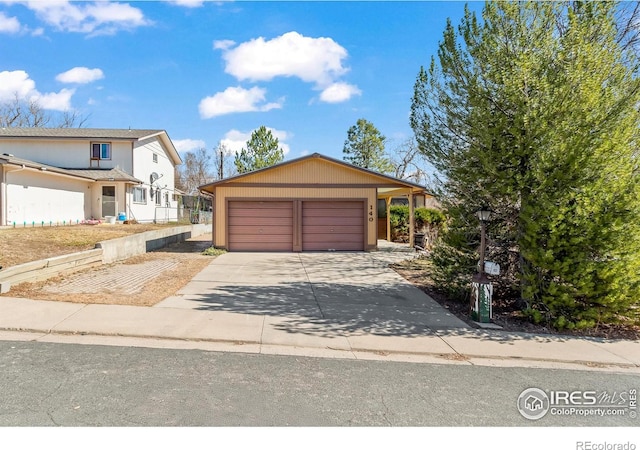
(100, 151)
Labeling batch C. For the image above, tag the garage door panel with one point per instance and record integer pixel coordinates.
(337, 221)
(333, 212)
(260, 230)
(338, 204)
(260, 226)
(333, 225)
(260, 247)
(346, 229)
(260, 221)
(271, 205)
(279, 238)
(259, 212)
(331, 237)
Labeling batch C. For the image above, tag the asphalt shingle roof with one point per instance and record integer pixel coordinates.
(116, 174)
(77, 133)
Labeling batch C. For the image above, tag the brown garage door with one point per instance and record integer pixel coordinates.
(260, 226)
(332, 225)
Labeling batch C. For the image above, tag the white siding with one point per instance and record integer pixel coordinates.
(69, 154)
(143, 167)
(32, 196)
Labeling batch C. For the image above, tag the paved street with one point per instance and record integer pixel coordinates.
(46, 384)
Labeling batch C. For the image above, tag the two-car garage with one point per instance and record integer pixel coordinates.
(313, 203)
(300, 225)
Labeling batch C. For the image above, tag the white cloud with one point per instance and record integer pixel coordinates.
(8, 24)
(223, 44)
(80, 75)
(188, 3)
(15, 84)
(59, 101)
(339, 92)
(235, 140)
(187, 145)
(18, 85)
(236, 99)
(94, 18)
(314, 60)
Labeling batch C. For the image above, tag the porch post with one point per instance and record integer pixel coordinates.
(388, 203)
(411, 220)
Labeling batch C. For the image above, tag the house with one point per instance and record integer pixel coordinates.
(313, 203)
(73, 174)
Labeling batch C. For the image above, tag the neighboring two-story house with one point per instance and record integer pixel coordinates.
(74, 174)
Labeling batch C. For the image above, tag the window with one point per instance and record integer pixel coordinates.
(155, 157)
(158, 197)
(100, 151)
(139, 195)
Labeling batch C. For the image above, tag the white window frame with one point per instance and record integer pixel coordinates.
(144, 195)
(155, 157)
(102, 147)
(158, 197)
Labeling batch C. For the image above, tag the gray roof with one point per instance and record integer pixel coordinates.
(77, 133)
(105, 174)
(89, 174)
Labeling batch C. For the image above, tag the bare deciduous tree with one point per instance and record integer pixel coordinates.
(408, 163)
(30, 113)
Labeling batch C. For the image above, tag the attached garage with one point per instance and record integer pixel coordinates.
(314, 203)
(260, 226)
(333, 225)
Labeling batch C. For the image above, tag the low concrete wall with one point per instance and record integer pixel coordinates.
(47, 268)
(137, 244)
(104, 253)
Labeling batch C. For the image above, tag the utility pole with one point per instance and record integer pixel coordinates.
(221, 164)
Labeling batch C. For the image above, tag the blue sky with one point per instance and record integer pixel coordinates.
(210, 72)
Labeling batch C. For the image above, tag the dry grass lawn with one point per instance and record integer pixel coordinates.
(20, 245)
(188, 255)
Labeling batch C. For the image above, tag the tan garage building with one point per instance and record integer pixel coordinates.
(314, 203)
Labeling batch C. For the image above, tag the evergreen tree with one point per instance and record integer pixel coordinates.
(262, 150)
(364, 147)
(535, 114)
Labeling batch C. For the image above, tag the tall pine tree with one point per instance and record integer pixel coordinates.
(364, 147)
(262, 150)
(533, 111)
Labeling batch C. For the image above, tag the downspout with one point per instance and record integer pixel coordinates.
(4, 209)
(412, 221)
(387, 202)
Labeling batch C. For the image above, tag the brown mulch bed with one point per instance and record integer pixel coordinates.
(505, 311)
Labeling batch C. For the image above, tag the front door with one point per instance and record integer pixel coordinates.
(108, 201)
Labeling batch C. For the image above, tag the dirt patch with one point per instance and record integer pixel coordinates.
(505, 312)
(155, 285)
(21, 245)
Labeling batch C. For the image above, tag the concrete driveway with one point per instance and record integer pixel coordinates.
(320, 294)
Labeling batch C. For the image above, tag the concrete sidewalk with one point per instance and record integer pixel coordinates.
(23, 319)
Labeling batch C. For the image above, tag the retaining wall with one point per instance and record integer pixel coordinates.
(137, 244)
(104, 253)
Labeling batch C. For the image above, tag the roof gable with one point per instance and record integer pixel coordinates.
(132, 135)
(312, 170)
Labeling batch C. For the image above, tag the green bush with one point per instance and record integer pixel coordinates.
(427, 220)
(212, 251)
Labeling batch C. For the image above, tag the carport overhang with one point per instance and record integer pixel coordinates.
(386, 187)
